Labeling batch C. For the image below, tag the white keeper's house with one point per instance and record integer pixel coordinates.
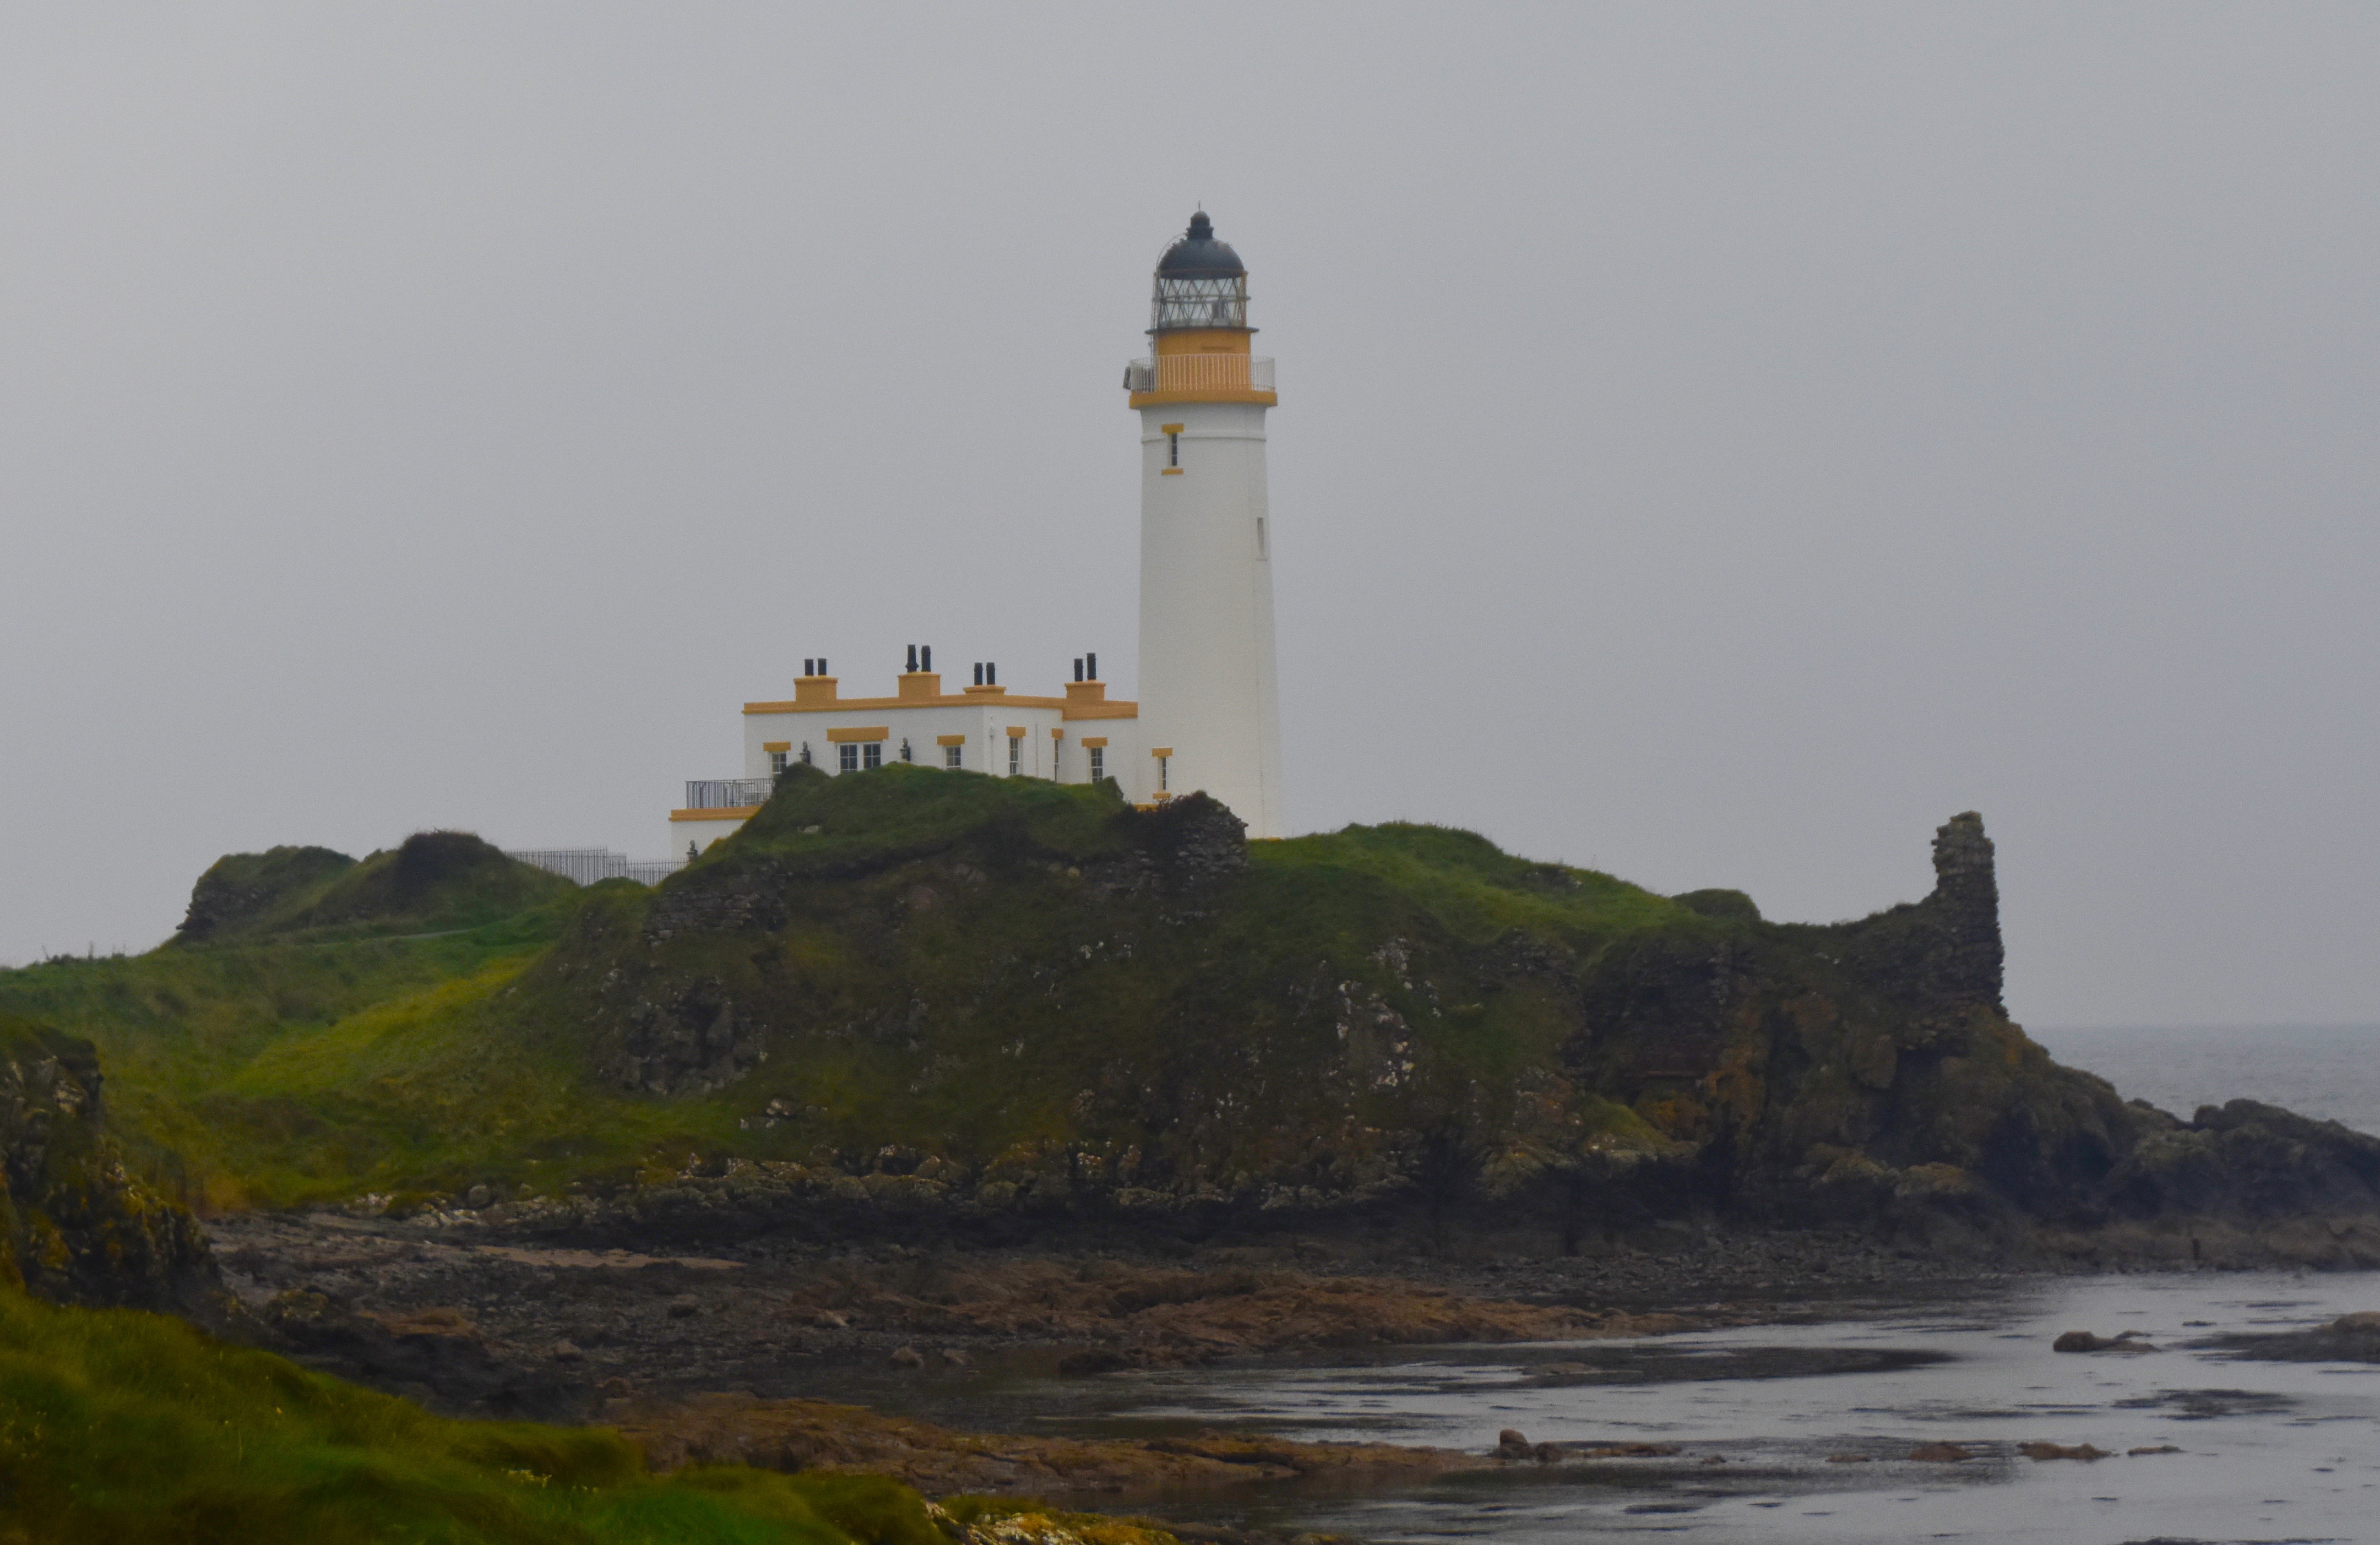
(1207, 716)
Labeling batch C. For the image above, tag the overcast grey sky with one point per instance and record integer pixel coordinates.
(1716, 444)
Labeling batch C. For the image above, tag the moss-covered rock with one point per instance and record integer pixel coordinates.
(76, 1225)
(1066, 1001)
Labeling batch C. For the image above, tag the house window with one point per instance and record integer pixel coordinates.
(776, 764)
(951, 755)
(1098, 762)
(1015, 756)
(849, 755)
(872, 754)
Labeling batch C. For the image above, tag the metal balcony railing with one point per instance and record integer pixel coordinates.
(587, 865)
(1199, 372)
(727, 794)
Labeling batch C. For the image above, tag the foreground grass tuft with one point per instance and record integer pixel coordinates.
(121, 1427)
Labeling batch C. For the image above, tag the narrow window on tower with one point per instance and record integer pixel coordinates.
(847, 760)
(1098, 762)
(1173, 449)
(872, 754)
(1262, 556)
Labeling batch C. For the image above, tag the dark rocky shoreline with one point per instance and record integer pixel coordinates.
(943, 1364)
(480, 1318)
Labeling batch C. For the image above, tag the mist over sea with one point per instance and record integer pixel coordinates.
(2330, 1072)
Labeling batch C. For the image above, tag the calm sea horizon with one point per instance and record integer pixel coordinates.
(2329, 1072)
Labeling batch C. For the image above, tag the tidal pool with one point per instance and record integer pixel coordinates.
(2267, 1452)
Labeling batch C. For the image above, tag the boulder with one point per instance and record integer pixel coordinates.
(2085, 1340)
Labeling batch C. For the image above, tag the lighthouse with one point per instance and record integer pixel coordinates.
(1209, 718)
(1209, 712)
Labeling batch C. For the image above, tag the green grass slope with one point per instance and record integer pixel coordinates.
(118, 1427)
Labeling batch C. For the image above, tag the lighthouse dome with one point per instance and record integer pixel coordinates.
(1201, 284)
(1199, 256)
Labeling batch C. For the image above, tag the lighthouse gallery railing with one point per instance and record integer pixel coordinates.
(1199, 372)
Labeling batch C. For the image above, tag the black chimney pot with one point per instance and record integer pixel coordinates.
(1093, 666)
(925, 657)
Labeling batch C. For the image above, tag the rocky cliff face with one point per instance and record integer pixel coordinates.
(925, 990)
(76, 1227)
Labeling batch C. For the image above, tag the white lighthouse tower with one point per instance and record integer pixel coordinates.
(1209, 711)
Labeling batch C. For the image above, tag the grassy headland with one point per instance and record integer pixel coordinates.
(1022, 996)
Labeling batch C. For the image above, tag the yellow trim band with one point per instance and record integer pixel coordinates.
(737, 812)
(1214, 393)
(1075, 709)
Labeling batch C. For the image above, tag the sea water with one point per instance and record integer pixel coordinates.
(2330, 1072)
(2265, 1451)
